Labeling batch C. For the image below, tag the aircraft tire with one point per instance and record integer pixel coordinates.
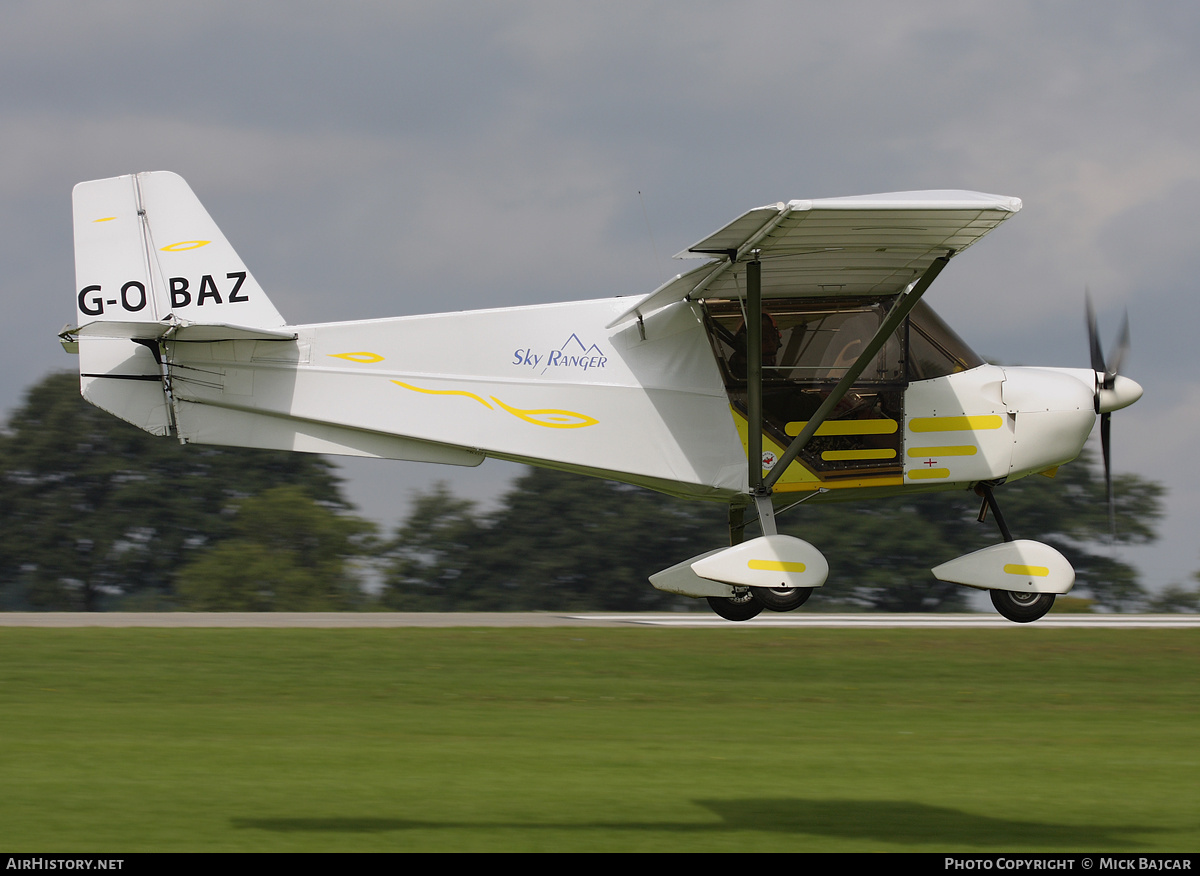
(1021, 608)
(737, 608)
(783, 598)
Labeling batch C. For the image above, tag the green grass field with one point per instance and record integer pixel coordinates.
(1018, 739)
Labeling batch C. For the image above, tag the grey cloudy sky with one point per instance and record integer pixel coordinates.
(385, 158)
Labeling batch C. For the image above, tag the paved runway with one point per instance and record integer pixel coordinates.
(766, 620)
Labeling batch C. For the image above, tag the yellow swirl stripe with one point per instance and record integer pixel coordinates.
(364, 357)
(443, 392)
(551, 417)
(184, 244)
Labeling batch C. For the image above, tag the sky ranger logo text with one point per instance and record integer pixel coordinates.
(573, 354)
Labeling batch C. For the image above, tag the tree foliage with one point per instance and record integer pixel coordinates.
(100, 515)
(285, 553)
(558, 542)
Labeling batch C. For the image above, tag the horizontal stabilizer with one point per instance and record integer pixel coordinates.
(123, 377)
(175, 331)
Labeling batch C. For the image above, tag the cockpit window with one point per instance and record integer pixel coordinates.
(808, 345)
(934, 350)
(807, 340)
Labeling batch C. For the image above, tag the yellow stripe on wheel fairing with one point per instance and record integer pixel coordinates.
(1026, 571)
(775, 566)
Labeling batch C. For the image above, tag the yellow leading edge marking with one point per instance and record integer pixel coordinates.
(775, 566)
(955, 424)
(1035, 571)
(184, 244)
(105, 219)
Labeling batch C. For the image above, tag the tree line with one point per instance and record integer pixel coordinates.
(99, 515)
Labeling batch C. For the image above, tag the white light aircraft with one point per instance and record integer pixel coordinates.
(796, 362)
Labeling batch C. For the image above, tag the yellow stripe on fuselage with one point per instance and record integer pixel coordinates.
(845, 427)
(842, 455)
(950, 450)
(981, 422)
(924, 474)
(470, 395)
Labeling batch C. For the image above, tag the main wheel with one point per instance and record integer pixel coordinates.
(1021, 608)
(783, 598)
(739, 607)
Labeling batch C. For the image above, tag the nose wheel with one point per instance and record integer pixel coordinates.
(1018, 607)
(1021, 608)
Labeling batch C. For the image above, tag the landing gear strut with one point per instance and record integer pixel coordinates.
(750, 601)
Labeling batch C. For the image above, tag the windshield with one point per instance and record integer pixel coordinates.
(934, 350)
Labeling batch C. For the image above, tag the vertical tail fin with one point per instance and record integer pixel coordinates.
(148, 260)
(146, 250)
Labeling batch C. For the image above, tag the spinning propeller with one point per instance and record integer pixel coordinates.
(1113, 392)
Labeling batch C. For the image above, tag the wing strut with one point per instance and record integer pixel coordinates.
(754, 375)
(758, 484)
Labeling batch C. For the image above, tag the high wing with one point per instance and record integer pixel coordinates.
(856, 246)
